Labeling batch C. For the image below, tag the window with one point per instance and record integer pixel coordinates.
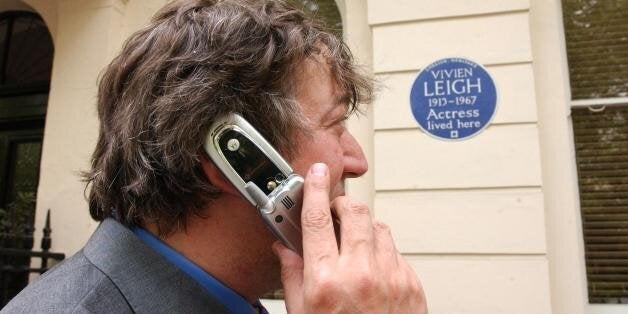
(26, 52)
(597, 49)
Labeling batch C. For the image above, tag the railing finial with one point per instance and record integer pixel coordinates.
(46, 242)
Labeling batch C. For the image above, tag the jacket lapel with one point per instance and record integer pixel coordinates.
(150, 283)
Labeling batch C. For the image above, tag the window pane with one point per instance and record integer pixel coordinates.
(602, 158)
(4, 24)
(597, 47)
(25, 169)
(30, 53)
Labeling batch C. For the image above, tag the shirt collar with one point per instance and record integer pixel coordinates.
(229, 298)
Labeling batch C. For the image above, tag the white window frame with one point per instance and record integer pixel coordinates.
(606, 102)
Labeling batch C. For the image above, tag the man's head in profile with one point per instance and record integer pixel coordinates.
(196, 61)
(176, 236)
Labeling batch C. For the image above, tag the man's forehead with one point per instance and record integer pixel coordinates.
(318, 92)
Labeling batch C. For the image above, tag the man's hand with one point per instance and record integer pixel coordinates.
(366, 275)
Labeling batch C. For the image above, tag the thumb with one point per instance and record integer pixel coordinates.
(291, 277)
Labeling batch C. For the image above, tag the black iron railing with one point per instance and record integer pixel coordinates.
(15, 264)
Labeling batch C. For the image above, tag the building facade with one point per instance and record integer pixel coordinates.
(492, 224)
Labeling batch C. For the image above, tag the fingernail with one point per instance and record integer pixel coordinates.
(319, 169)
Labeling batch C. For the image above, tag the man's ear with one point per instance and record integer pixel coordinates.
(215, 177)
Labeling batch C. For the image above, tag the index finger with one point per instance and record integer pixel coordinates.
(319, 240)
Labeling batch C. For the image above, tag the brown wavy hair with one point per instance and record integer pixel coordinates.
(197, 60)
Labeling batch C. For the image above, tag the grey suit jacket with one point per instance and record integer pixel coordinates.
(114, 273)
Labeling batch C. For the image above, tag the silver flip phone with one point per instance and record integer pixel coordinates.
(260, 174)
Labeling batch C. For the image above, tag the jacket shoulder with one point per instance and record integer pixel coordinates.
(75, 285)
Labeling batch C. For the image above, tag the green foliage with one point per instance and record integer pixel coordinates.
(17, 219)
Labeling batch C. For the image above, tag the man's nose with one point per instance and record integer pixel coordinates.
(355, 163)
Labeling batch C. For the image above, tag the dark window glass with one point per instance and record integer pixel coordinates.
(4, 28)
(25, 169)
(597, 46)
(596, 35)
(30, 53)
(26, 52)
(602, 158)
(25, 66)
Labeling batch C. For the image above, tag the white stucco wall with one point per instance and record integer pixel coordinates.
(468, 215)
(87, 34)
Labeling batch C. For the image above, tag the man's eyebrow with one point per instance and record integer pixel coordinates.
(339, 100)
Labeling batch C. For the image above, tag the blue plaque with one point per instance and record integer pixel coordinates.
(453, 99)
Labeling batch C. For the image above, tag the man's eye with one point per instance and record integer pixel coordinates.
(338, 123)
